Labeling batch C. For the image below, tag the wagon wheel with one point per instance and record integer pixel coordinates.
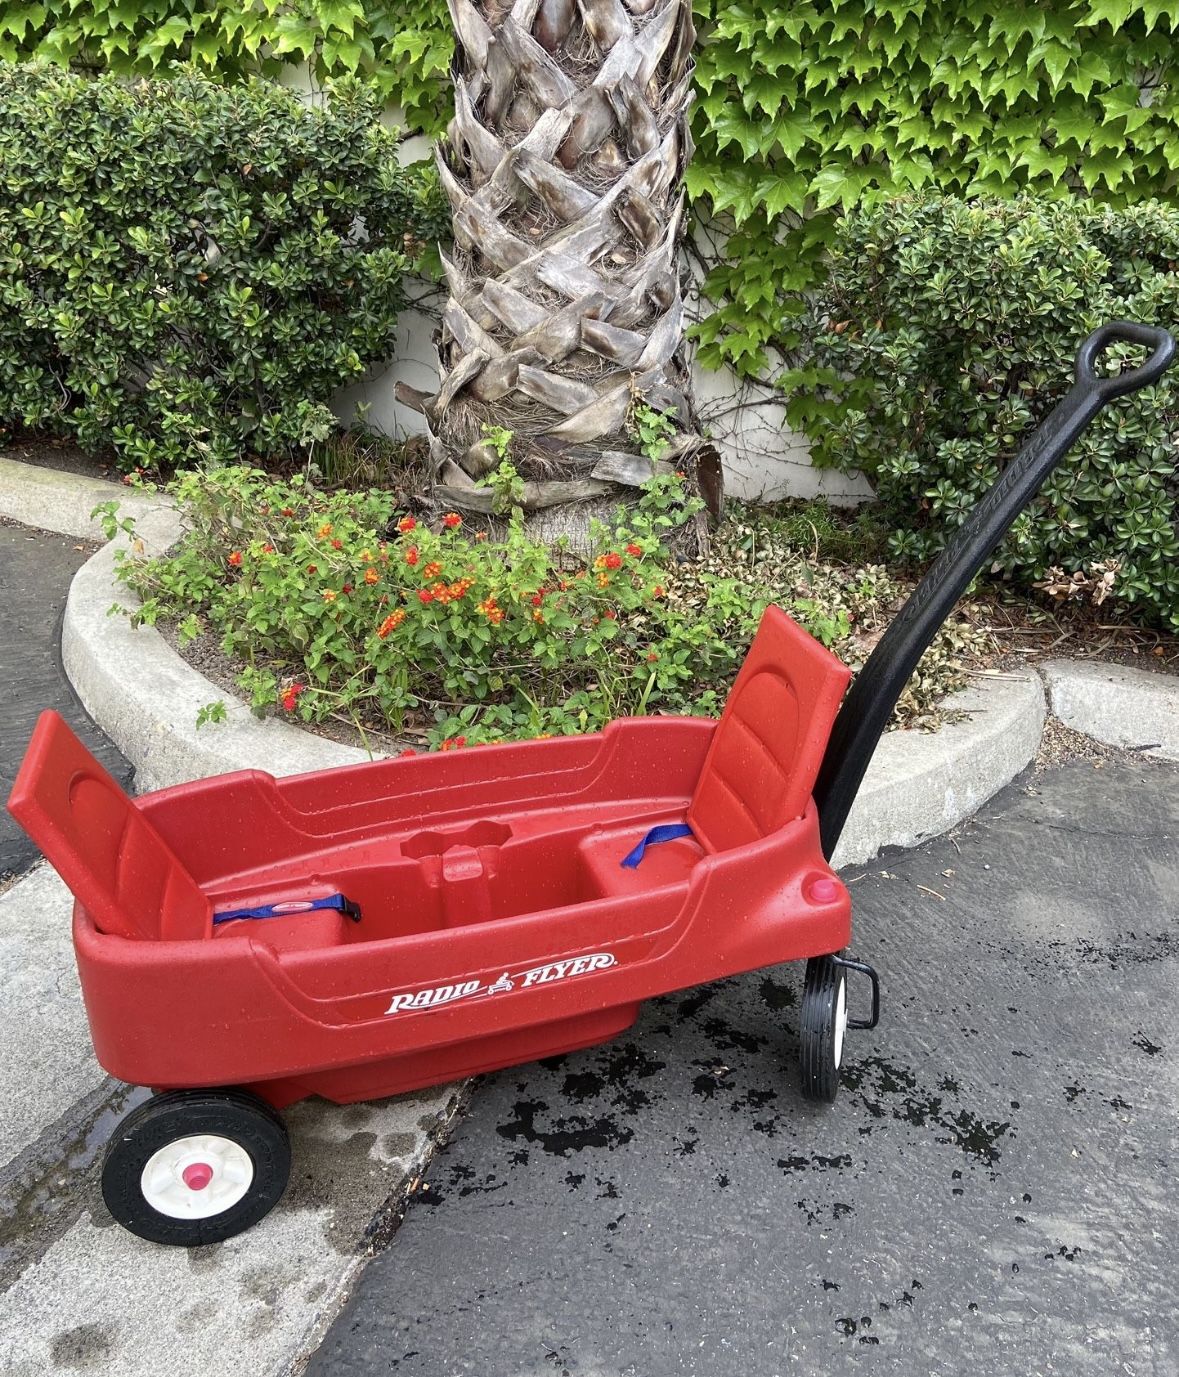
(196, 1166)
(822, 1028)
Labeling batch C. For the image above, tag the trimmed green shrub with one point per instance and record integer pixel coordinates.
(947, 330)
(187, 271)
(801, 108)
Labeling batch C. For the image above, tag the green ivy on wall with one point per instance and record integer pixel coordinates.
(806, 109)
(803, 109)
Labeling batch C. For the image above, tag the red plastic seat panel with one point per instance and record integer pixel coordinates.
(762, 762)
(115, 862)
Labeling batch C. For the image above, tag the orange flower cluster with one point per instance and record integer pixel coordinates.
(325, 530)
(411, 556)
(452, 592)
(391, 623)
(610, 561)
(492, 611)
(328, 595)
(371, 576)
(432, 570)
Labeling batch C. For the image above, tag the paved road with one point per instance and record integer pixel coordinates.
(35, 573)
(994, 1191)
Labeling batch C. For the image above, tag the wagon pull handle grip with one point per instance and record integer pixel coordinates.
(868, 706)
(1124, 332)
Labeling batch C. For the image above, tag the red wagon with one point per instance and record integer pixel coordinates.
(245, 941)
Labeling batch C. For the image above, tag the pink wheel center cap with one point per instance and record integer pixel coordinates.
(197, 1176)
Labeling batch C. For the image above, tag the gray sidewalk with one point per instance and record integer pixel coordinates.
(993, 1191)
(35, 572)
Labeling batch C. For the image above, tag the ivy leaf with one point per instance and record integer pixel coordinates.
(1111, 12)
(834, 185)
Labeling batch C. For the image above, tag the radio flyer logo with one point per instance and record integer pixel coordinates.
(439, 995)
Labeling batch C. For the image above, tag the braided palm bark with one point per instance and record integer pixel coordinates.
(563, 168)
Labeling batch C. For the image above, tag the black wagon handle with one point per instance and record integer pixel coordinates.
(869, 704)
(1124, 332)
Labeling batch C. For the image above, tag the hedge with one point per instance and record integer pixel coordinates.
(802, 108)
(947, 330)
(188, 270)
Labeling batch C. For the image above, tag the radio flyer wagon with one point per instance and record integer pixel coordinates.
(245, 941)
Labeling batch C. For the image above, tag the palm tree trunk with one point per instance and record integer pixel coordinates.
(563, 167)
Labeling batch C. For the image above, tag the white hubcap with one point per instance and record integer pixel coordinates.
(840, 1022)
(198, 1176)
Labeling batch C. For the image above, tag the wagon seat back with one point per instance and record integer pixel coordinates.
(757, 775)
(117, 865)
(761, 765)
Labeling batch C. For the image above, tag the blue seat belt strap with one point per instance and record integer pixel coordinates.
(665, 832)
(291, 906)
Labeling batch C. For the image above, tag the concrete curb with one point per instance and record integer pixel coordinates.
(1137, 709)
(54, 500)
(921, 784)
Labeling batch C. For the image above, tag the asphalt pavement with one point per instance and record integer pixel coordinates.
(35, 572)
(994, 1191)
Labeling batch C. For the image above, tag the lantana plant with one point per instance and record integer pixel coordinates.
(338, 604)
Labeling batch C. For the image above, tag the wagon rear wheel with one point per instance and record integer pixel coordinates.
(822, 1028)
(196, 1166)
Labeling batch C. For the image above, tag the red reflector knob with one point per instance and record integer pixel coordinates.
(197, 1176)
(823, 891)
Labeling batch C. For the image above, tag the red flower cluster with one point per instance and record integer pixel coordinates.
(337, 544)
(391, 623)
(452, 520)
(291, 697)
(236, 559)
(610, 561)
(411, 556)
(453, 743)
(634, 551)
(407, 523)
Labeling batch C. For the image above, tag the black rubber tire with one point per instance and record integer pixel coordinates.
(816, 1032)
(233, 1114)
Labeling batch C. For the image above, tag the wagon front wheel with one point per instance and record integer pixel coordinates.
(196, 1166)
(822, 1028)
